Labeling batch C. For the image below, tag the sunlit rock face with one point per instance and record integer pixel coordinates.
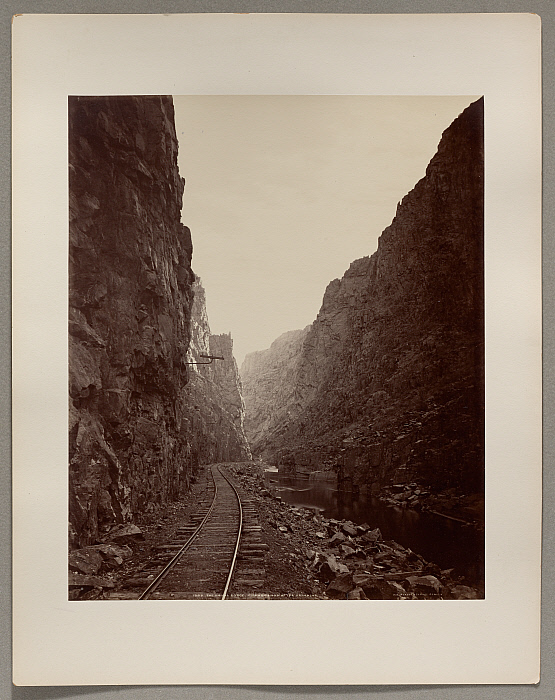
(216, 407)
(130, 299)
(386, 386)
(270, 389)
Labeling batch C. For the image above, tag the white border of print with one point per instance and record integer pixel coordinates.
(496, 640)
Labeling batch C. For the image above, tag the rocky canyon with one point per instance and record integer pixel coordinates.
(141, 416)
(382, 395)
(386, 386)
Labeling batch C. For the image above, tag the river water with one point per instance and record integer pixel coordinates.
(444, 542)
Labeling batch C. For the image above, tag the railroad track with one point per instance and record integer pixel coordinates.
(218, 555)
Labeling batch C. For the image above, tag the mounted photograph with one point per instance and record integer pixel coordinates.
(277, 368)
(276, 347)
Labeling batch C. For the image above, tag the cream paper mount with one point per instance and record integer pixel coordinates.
(495, 640)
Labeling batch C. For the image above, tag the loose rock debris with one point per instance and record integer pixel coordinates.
(306, 556)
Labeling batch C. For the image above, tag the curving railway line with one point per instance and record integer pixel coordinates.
(218, 555)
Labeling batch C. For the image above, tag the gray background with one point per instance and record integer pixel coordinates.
(546, 688)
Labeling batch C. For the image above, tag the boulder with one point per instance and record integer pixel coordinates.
(398, 589)
(356, 594)
(379, 590)
(327, 566)
(362, 579)
(114, 550)
(341, 568)
(373, 535)
(338, 538)
(85, 561)
(340, 586)
(461, 592)
(125, 534)
(349, 528)
(346, 550)
(424, 584)
(113, 555)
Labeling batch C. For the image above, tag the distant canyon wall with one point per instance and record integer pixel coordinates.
(132, 440)
(387, 383)
(216, 408)
(271, 390)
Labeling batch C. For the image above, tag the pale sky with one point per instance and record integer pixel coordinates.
(283, 192)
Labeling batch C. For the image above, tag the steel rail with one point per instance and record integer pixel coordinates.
(239, 533)
(169, 566)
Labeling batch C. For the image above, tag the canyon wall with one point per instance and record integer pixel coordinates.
(132, 440)
(216, 408)
(270, 389)
(386, 386)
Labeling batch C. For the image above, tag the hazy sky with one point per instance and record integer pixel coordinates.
(283, 192)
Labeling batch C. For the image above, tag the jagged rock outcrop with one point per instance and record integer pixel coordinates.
(130, 298)
(270, 388)
(387, 385)
(216, 407)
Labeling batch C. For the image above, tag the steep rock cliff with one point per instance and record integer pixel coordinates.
(130, 298)
(270, 389)
(387, 385)
(215, 403)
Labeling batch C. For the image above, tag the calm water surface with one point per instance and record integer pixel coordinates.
(445, 542)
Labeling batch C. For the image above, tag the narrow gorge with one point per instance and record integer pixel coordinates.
(386, 387)
(380, 399)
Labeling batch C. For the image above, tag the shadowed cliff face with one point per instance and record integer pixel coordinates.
(216, 407)
(387, 383)
(129, 303)
(131, 444)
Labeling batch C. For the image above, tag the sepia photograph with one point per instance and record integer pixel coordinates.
(276, 347)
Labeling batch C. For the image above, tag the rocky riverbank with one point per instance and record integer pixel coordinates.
(338, 558)
(468, 509)
(308, 556)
